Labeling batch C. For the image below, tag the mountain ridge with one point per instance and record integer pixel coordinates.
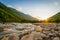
(55, 18)
(8, 14)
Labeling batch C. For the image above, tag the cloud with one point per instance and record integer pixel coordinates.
(19, 8)
(56, 3)
(9, 6)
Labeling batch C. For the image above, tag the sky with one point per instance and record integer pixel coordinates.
(40, 9)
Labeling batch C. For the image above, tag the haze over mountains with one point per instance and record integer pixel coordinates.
(55, 18)
(8, 14)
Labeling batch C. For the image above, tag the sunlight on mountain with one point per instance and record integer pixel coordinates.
(46, 20)
(42, 18)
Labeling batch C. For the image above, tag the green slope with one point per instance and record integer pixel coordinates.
(11, 15)
(55, 18)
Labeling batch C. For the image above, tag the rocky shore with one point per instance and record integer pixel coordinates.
(30, 31)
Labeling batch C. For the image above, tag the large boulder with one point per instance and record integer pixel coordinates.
(38, 28)
(56, 38)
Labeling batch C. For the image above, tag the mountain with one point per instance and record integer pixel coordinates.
(55, 18)
(8, 14)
